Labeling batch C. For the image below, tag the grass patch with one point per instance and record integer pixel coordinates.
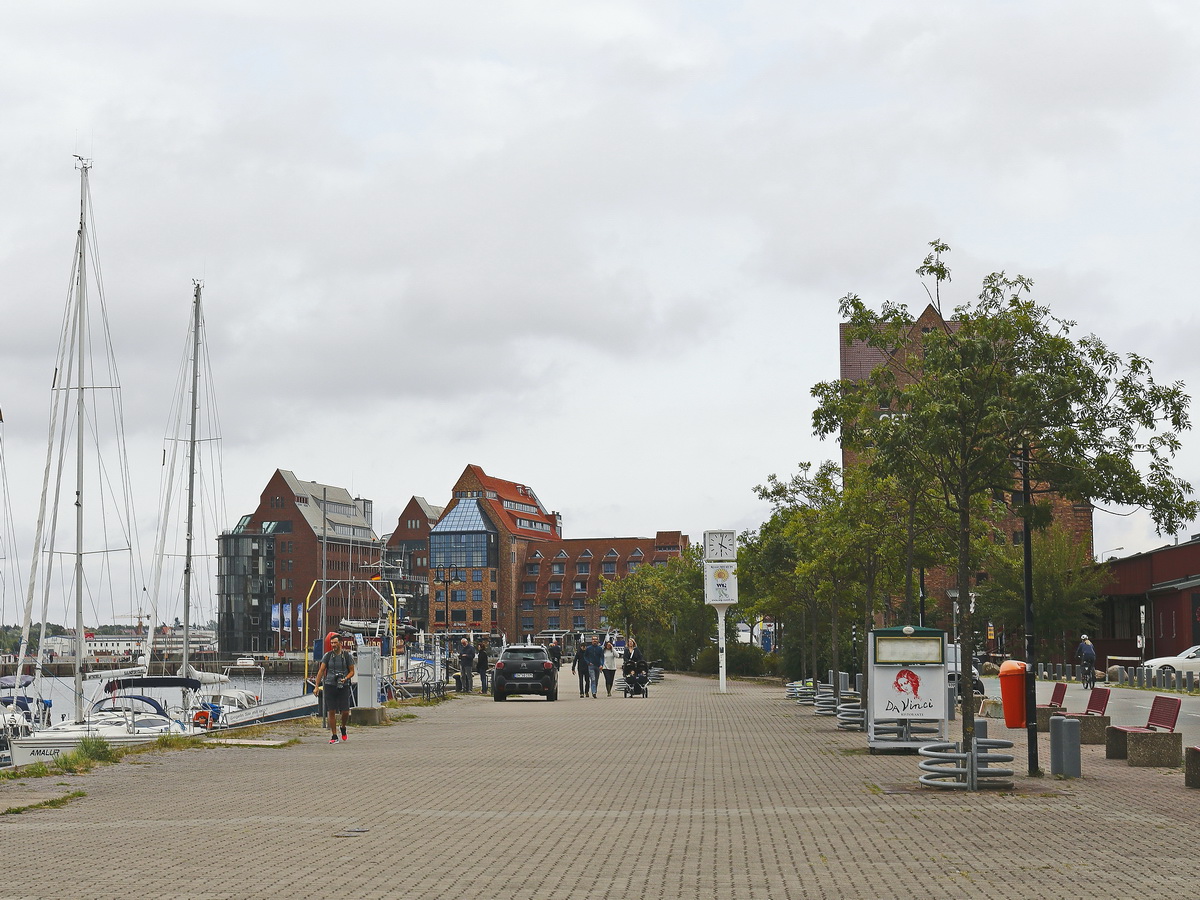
(53, 803)
(91, 750)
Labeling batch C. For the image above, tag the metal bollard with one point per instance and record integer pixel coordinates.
(1056, 749)
(1070, 751)
(843, 682)
(1064, 746)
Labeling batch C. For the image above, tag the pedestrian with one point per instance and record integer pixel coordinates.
(481, 666)
(609, 666)
(555, 650)
(632, 653)
(580, 667)
(466, 665)
(333, 684)
(593, 657)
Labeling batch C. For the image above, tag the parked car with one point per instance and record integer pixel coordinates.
(524, 669)
(1187, 661)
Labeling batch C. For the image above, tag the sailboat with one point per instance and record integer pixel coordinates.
(115, 712)
(217, 697)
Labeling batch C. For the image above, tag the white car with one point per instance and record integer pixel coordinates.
(1187, 661)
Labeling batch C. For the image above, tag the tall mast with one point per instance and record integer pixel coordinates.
(191, 486)
(80, 417)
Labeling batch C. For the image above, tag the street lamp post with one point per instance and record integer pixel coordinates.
(1103, 556)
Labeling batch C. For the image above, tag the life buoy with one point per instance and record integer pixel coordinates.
(202, 718)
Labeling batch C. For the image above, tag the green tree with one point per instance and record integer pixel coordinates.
(1066, 588)
(663, 607)
(1005, 377)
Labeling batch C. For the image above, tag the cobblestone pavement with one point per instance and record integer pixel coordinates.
(689, 793)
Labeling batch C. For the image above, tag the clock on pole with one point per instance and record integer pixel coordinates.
(720, 545)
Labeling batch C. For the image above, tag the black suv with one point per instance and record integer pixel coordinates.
(524, 669)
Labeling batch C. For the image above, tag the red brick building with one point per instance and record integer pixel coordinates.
(560, 579)
(499, 562)
(1151, 604)
(272, 565)
(406, 556)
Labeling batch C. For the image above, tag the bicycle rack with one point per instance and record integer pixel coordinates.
(946, 765)
(802, 692)
(826, 701)
(850, 714)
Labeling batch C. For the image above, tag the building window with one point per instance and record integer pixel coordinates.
(558, 568)
(477, 596)
(581, 585)
(477, 574)
(458, 615)
(533, 569)
(439, 616)
(578, 622)
(553, 603)
(583, 568)
(608, 568)
(578, 602)
(439, 597)
(458, 596)
(527, 623)
(552, 623)
(527, 606)
(529, 587)
(632, 567)
(556, 587)
(477, 615)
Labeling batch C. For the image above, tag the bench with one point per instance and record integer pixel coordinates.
(1093, 723)
(1157, 744)
(1054, 708)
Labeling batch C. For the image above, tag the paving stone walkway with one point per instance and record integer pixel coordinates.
(686, 794)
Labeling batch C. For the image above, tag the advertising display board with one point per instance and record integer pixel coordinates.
(908, 687)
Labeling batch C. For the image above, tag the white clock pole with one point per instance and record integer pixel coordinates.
(720, 586)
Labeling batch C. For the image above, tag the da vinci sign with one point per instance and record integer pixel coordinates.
(908, 692)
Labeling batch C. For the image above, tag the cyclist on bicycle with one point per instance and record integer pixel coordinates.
(1086, 654)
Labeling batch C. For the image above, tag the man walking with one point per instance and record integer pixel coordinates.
(333, 684)
(593, 656)
(466, 665)
(555, 651)
(580, 667)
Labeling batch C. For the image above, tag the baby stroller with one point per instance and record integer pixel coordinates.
(637, 679)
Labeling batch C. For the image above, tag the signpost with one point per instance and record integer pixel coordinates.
(720, 585)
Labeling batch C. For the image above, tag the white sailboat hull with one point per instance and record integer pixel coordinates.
(274, 711)
(50, 743)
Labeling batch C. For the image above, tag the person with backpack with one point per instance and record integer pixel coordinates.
(333, 684)
(1086, 654)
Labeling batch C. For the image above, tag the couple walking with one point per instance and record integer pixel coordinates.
(594, 660)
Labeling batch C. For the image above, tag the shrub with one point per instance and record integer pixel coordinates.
(742, 659)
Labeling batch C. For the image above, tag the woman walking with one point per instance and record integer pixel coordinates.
(609, 666)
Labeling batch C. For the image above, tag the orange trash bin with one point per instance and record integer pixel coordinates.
(1012, 692)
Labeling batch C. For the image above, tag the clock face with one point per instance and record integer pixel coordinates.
(720, 545)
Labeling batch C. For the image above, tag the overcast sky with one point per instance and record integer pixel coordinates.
(595, 248)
